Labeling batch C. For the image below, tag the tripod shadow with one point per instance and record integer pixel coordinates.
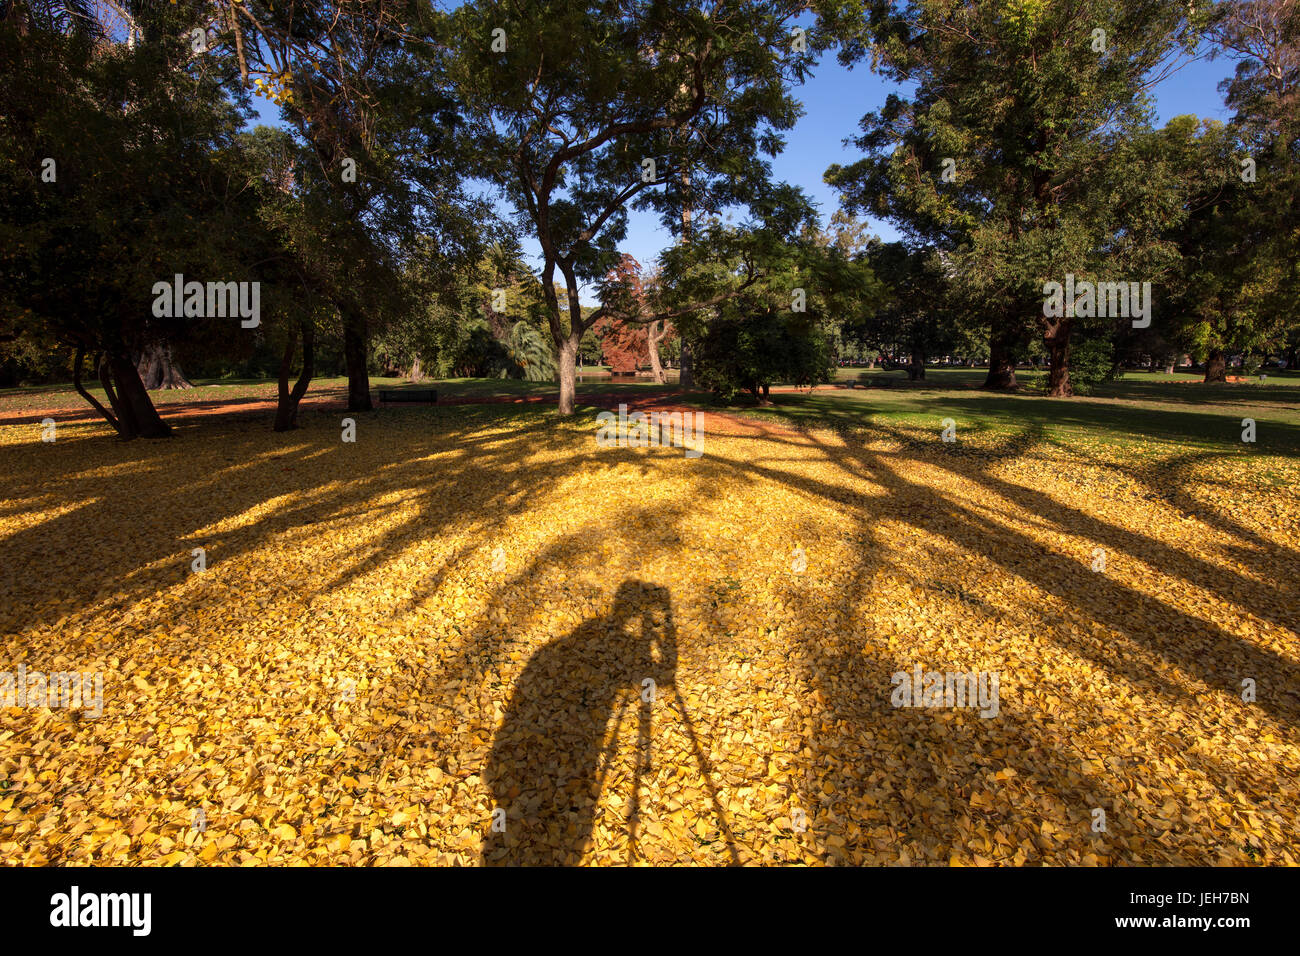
(545, 766)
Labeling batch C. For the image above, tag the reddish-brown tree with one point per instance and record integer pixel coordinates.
(624, 342)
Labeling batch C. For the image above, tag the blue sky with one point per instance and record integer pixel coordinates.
(834, 100)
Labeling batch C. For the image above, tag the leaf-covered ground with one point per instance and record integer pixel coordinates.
(459, 613)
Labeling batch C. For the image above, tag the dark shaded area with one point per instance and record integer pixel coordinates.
(545, 768)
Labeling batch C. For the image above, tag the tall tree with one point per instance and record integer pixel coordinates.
(383, 134)
(1242, 244)
(594, 106)
(1013, 150)
(114, 179)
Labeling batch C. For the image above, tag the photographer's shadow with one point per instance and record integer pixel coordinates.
(545, 765)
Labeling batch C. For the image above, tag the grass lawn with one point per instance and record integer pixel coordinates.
(207, 391)
(643, 657)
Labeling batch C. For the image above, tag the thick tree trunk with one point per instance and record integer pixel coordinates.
(917, 369)
(416, 375)
(571, 342)
(686, 374)
(1216, 367)
(1002, 370)
(1058, 374)
(568, 374)
(133, 393)
(286, 410)
(132, 406)
(172, 376)
(149, 367)
(158, 369)
(655, 333)
(355, 350)
(767, 393)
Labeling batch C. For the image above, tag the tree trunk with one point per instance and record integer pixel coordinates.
(173, 377)
(354, 357)
(133, 393)
(655, 333)
(767, 393)
(686, 367)
(1002, 370)
(126, 421)
(686, 372)
(148, 367)
(571, 341)
(568, 374)
(131, 403)
(917, 369)
(1058, 374)
(1216, 367)
(416, 375)
(286, 409)
(108, 416)
(158, 369)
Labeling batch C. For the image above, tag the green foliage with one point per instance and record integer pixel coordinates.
(459, 331)
(1052, 168)
(743, 353)
(530, 355)
(142, 143)
(1092, 362)
(914, 313)
(594, 108)
(589, 349)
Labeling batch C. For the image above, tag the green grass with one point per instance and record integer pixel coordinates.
(1142, 412)
(56, 397)
(1132, 413)
(1173, 387)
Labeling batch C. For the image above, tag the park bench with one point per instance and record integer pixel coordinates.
(408, 395)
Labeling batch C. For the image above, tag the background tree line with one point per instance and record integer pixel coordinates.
(1024, 150)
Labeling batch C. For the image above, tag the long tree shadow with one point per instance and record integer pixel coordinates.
(292, 483)
(1118, 606)
(1217, 658)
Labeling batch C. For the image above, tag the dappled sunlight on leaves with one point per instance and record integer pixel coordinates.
(355, 679)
